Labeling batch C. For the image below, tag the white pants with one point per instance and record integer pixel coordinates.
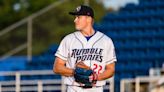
(80, 89)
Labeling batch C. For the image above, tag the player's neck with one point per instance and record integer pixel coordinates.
(88, 31)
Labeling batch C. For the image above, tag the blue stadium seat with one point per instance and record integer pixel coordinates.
(14, 63)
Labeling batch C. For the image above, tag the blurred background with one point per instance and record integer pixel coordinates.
(31, 30)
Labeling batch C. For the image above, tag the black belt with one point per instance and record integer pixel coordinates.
(85, 87)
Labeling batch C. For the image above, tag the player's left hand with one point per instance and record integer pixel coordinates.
(83, 74)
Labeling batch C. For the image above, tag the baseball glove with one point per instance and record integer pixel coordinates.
(83, 74)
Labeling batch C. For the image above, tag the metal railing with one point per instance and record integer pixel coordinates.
(31, 85)
(38, 85)
(147, 79)
(154, 76)
(29, 21)
(123, 82)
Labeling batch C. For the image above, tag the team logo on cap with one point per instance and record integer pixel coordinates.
(78, 8)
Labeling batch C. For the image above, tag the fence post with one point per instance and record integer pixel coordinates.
(40, 86)
(137, 86)
(111, 85)
(0, 88)
(29, 39)
(17, 83)
(122, 86)
(63, 87)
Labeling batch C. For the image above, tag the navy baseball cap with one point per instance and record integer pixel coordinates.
(83, 10)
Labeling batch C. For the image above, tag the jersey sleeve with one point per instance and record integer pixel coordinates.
(62, 51)
(110, 54)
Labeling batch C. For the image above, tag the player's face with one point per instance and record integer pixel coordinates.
(80, 22)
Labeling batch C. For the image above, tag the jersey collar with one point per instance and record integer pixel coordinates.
(97, 36)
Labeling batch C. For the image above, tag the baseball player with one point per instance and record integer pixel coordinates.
(86, 57)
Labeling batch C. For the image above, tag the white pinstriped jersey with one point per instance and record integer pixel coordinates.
(97, 52)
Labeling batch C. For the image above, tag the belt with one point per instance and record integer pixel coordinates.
(85, 87)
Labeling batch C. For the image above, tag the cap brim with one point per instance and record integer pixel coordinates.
(74, 13)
